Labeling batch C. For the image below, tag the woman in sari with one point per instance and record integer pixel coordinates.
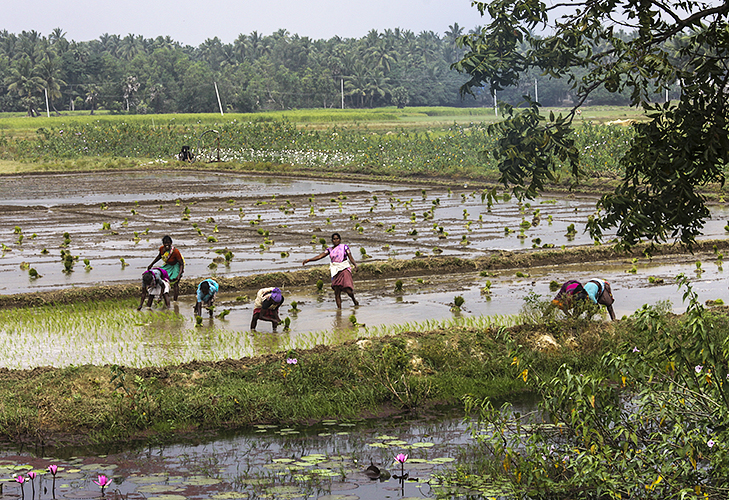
(341, 266)
(174, 264)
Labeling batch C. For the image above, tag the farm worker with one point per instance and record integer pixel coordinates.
(155, 281)
(206, 291)
(339, 268)
(599, 292)
(174, 263)
(570, 292)
(266, 305)
(185, 154)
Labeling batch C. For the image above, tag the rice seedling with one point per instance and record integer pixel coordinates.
(68, 260)
(87, 265)
(33, 274)
(320, 285)
(458, 302)
(571, 231)
(398, 286)
(123, 262)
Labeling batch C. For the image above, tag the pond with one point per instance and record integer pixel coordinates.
(326, 461)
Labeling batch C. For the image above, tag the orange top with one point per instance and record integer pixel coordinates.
(172, 257)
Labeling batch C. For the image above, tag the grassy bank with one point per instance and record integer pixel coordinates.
(371, 377)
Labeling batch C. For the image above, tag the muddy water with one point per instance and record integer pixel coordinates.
(270, 224)
(326, 461)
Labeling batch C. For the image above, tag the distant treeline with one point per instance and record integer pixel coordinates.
(133, 74)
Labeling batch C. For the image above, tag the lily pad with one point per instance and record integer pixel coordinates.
(157, 488)
(338, 497)
(202, 481)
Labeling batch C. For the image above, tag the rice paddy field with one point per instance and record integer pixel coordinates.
(85, 201)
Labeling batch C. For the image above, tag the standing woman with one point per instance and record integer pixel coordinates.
(339, 268)
(174, 264)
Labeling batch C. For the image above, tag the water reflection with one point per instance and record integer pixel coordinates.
(318, 461)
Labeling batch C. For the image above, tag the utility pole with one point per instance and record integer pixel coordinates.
(48, 111)
(342, 87)
(536, 90)
(220, 106)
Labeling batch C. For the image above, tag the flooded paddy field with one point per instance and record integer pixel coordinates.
(273, 224)
(269, 224)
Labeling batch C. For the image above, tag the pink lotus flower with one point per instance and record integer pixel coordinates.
(103, 482)
(53, 469)
(401, 458)
(20, 479)
(31, 475)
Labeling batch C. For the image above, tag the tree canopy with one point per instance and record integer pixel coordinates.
(682, 147)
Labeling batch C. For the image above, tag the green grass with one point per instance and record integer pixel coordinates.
(409, 369)
(357, 142)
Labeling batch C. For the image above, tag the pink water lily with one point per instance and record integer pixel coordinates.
(103, 481)
(31, 475)
(402, 458)
(20, 479)
(53, 469)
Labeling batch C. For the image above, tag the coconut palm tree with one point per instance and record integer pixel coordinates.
(24, 82)
(50, 72)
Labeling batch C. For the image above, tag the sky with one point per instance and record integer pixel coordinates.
(191, 22)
